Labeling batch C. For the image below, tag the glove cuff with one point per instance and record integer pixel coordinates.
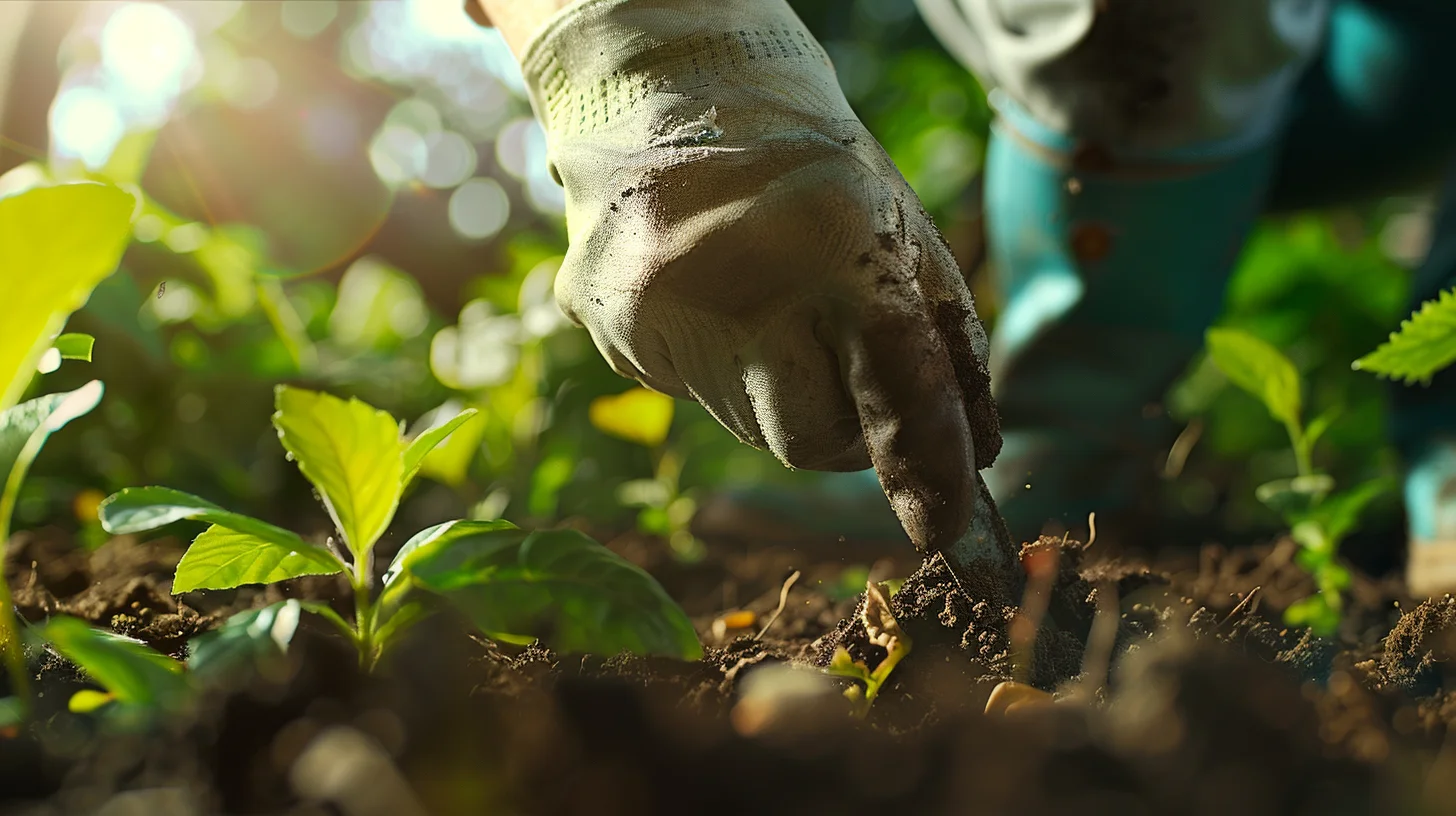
(598, 60)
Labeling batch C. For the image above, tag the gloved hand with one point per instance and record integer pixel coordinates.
(739, 238)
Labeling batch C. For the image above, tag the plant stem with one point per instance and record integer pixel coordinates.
(364, 619)
(1302, 460)
(9, 626)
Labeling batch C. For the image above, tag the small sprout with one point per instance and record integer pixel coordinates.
(883, 631)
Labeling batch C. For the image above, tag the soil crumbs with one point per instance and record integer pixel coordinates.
(1176, 692)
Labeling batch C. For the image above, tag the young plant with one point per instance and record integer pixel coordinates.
(56, 245)
(883, 631)
(645, 417)
(1318, 518)
(512, 584)
(1424, 345)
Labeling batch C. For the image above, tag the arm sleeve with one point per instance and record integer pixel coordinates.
(1138, 75)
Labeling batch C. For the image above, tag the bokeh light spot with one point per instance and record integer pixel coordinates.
(85, 125)
(451, 161)
(306, 19)
(479, 208)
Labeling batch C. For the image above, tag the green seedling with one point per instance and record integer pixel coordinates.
(512, 584)
(1424, 345)
(56, 245)
(883, 631)
(1318, 518)
(645, 417)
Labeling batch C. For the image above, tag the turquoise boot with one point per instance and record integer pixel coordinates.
(1111, 266)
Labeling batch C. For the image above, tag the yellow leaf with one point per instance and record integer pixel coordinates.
(638, 415)
(56, 244)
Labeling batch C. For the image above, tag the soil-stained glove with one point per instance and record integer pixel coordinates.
(739, 238)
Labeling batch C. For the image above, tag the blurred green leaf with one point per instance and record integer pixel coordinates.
(88, 701)
(220, 558)
(421, 446)
(56, 244)
(132, 671)
(12, 712)
(244, 641)
(1425, 344)
(558, 585)
(352, 453)
(1260, 369)
(637, 415)
(1294, 496)
(1339, 513)
(1314, 612)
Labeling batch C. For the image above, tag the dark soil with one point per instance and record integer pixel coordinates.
(1212, 706)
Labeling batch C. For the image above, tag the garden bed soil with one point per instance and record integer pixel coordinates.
(1212, 706)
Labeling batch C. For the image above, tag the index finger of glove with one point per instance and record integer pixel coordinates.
(903, 384)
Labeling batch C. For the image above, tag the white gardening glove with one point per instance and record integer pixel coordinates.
(739, 238)
(1140, 75)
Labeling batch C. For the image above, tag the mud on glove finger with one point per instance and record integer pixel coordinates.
(903, 382)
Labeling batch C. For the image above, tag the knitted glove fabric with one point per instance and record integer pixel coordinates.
(738, 238)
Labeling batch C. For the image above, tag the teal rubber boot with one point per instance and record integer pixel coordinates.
(1110, 266)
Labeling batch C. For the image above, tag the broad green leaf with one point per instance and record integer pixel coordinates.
(1425, 344)
(42, 415)
(56, 244)
(1315, 612)
(420, 446)
(244, 641)
(637, 415)
(394, 589)
(132, 671)
(558, 585)
(352, 453)
(1258, 368)
(139, 509)
(24, 430)
(222, 559)
(75, 346)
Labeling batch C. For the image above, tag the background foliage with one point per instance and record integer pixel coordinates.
(353, 197)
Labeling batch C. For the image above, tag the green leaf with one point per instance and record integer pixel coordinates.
(327, 612)
(1294, 497)
(420, 446)
(352, 453)
(1321, 424)
(1258, 368)
(41, 416)
(222, 559)
(1425, 344)
(395, 589)
(75, 346)
(56, 244)
(12, 712)
(129, 669)
(398, 623)
(24, 430)
(1339, 513)
(555, 584)
(637, 415)
(139, 509)
(244, 640)
(1316, 612)
(88, 701)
